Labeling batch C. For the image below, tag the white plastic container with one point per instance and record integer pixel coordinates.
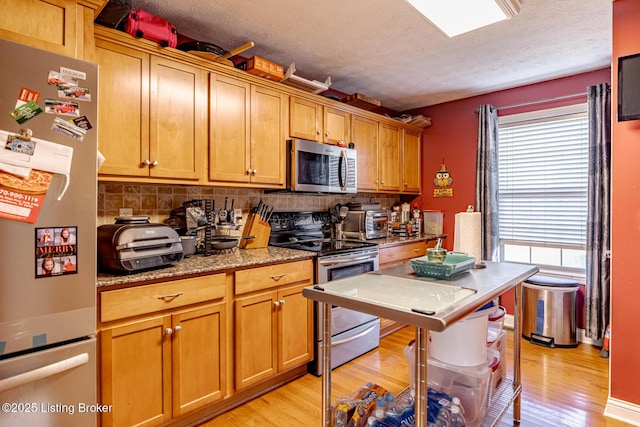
(464, 343)
(496, 323)
(471, 384)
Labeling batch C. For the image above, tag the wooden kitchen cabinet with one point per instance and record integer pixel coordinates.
(316, 122)
(411, 161)
(57, 26)
(246, 126)
(152, 115)
(273, 321)
(364, 133)
(389, 155)
(161, 355)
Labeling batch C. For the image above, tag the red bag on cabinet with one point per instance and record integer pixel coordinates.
(143, 24)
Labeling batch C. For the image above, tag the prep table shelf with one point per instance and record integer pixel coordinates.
(426, 303)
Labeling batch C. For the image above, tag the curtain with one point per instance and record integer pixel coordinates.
(487, 180)
(598, 216)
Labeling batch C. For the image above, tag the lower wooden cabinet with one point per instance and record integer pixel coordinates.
(158, 367)
(274, 323)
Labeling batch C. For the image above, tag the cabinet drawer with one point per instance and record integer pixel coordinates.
(149, 298)
(400, 253)
(271, 276)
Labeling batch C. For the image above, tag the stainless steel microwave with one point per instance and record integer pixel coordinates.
(317, 167)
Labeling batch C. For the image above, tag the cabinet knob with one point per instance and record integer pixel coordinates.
(317, 132)
(155, 163)
(249, 171)
(376, 181)
(255, 171)
(282, 302)
(382, 182)
(405, 184)
(326, 134)
(178, 328)
(146, 162)
(168, 331)
(276, 304)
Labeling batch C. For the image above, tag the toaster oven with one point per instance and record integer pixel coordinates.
(365, 224)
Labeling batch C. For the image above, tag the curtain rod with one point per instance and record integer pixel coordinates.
(557, 98)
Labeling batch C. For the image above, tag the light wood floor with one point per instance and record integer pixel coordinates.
(561, 387)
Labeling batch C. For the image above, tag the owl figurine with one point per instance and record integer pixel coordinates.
(442, 179)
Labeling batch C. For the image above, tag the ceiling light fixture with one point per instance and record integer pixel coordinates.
(455, 17)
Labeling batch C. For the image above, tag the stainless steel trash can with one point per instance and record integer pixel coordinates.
(549, 311)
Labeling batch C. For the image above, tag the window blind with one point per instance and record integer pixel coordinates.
(543, 168)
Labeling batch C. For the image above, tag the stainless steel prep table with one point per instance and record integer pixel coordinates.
(428, 304)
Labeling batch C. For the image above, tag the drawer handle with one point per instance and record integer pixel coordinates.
(416, 250)
(171, 296)
(277, 276)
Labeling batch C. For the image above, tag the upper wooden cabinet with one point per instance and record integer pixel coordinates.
(58, 26)
(315, 122)
(151, 115)
(364, 133)
(411, 161)
(246, 128)
(389, 155)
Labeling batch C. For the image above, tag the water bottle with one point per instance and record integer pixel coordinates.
(457, 419)
(456, 401)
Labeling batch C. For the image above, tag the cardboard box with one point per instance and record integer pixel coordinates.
(263, 68)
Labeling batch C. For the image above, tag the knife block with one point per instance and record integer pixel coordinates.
(255, 226)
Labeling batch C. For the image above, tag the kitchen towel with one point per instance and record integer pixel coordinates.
(468, 234)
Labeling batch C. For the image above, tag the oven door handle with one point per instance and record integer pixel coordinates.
(347, 260)
(356, 336)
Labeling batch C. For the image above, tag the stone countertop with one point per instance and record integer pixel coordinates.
(196, 264)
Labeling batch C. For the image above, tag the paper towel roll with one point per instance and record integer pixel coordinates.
(468, 234)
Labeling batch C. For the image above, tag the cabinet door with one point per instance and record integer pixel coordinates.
(123, 133)
(199, 357)
(136, 373)
(177, 120)
(255, 339)
(337, 126)
(228, 129)
(389, 158)
(305, 119)
(295, 328)
(411, 161)
(53, 25)
(268, 146)
(364, 134)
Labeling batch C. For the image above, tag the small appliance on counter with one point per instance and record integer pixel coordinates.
(366, 224)
(133, 244)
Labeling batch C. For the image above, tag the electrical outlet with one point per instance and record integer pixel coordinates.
(125, 212)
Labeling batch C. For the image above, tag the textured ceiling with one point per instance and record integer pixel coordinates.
(386, 50)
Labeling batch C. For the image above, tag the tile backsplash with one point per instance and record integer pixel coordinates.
(156, 201)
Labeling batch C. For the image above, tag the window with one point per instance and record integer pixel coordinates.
(542, 191)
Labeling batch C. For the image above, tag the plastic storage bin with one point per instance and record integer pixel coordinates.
(465, 342)
(470, 384)
(549, 311)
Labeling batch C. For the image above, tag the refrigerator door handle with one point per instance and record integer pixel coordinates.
(43, 372)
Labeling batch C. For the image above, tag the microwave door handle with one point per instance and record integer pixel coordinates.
(343, 181)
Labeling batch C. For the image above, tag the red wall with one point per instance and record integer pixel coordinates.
(453, 137)
(625, 268)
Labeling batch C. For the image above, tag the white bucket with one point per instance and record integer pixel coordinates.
(464, 343)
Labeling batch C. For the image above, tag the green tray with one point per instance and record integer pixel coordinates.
(454, 264)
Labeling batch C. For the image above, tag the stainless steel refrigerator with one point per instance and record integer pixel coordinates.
(48, 205)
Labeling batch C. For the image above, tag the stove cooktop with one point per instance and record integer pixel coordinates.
(309, 231)
(326, 246)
